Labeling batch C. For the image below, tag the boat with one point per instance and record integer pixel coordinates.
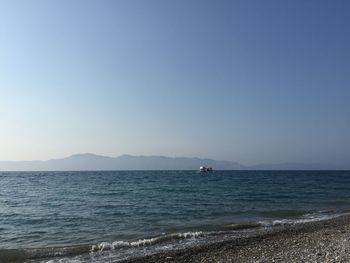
(204, 169)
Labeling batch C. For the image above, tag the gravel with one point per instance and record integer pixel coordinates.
(322, 241)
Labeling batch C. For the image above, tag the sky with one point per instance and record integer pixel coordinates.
(246, 81)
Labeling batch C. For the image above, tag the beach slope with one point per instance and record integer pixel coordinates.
(322, 241)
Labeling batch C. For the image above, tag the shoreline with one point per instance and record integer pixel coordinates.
(321, 241)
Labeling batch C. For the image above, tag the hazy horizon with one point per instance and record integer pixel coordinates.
(250, 82)
(95, 162)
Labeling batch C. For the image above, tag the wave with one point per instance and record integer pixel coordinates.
(21, 255)
(305, 218)
(50, 254)
(145, 242)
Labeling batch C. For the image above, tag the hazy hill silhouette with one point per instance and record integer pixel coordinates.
(90, 161)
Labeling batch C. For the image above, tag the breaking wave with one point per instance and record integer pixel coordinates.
(120, 249)
(103, 246)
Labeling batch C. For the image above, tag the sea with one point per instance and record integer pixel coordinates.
(109, 216)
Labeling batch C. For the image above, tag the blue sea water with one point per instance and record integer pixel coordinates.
(87, 213)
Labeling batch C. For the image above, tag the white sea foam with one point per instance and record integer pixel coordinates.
(190, 234)
(145, 242)
(118, 244)
(103, 246)
(304, 219)
(64, 261)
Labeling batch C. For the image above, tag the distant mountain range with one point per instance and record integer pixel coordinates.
(90, 161)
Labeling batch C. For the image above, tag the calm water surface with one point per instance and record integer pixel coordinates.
(40, 209)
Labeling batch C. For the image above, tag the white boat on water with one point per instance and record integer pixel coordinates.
(204, 169)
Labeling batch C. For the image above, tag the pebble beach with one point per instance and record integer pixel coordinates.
(321, 241)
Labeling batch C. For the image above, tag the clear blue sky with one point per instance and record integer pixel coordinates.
(248, 81)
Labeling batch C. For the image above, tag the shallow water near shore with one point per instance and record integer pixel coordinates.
(107, 216)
